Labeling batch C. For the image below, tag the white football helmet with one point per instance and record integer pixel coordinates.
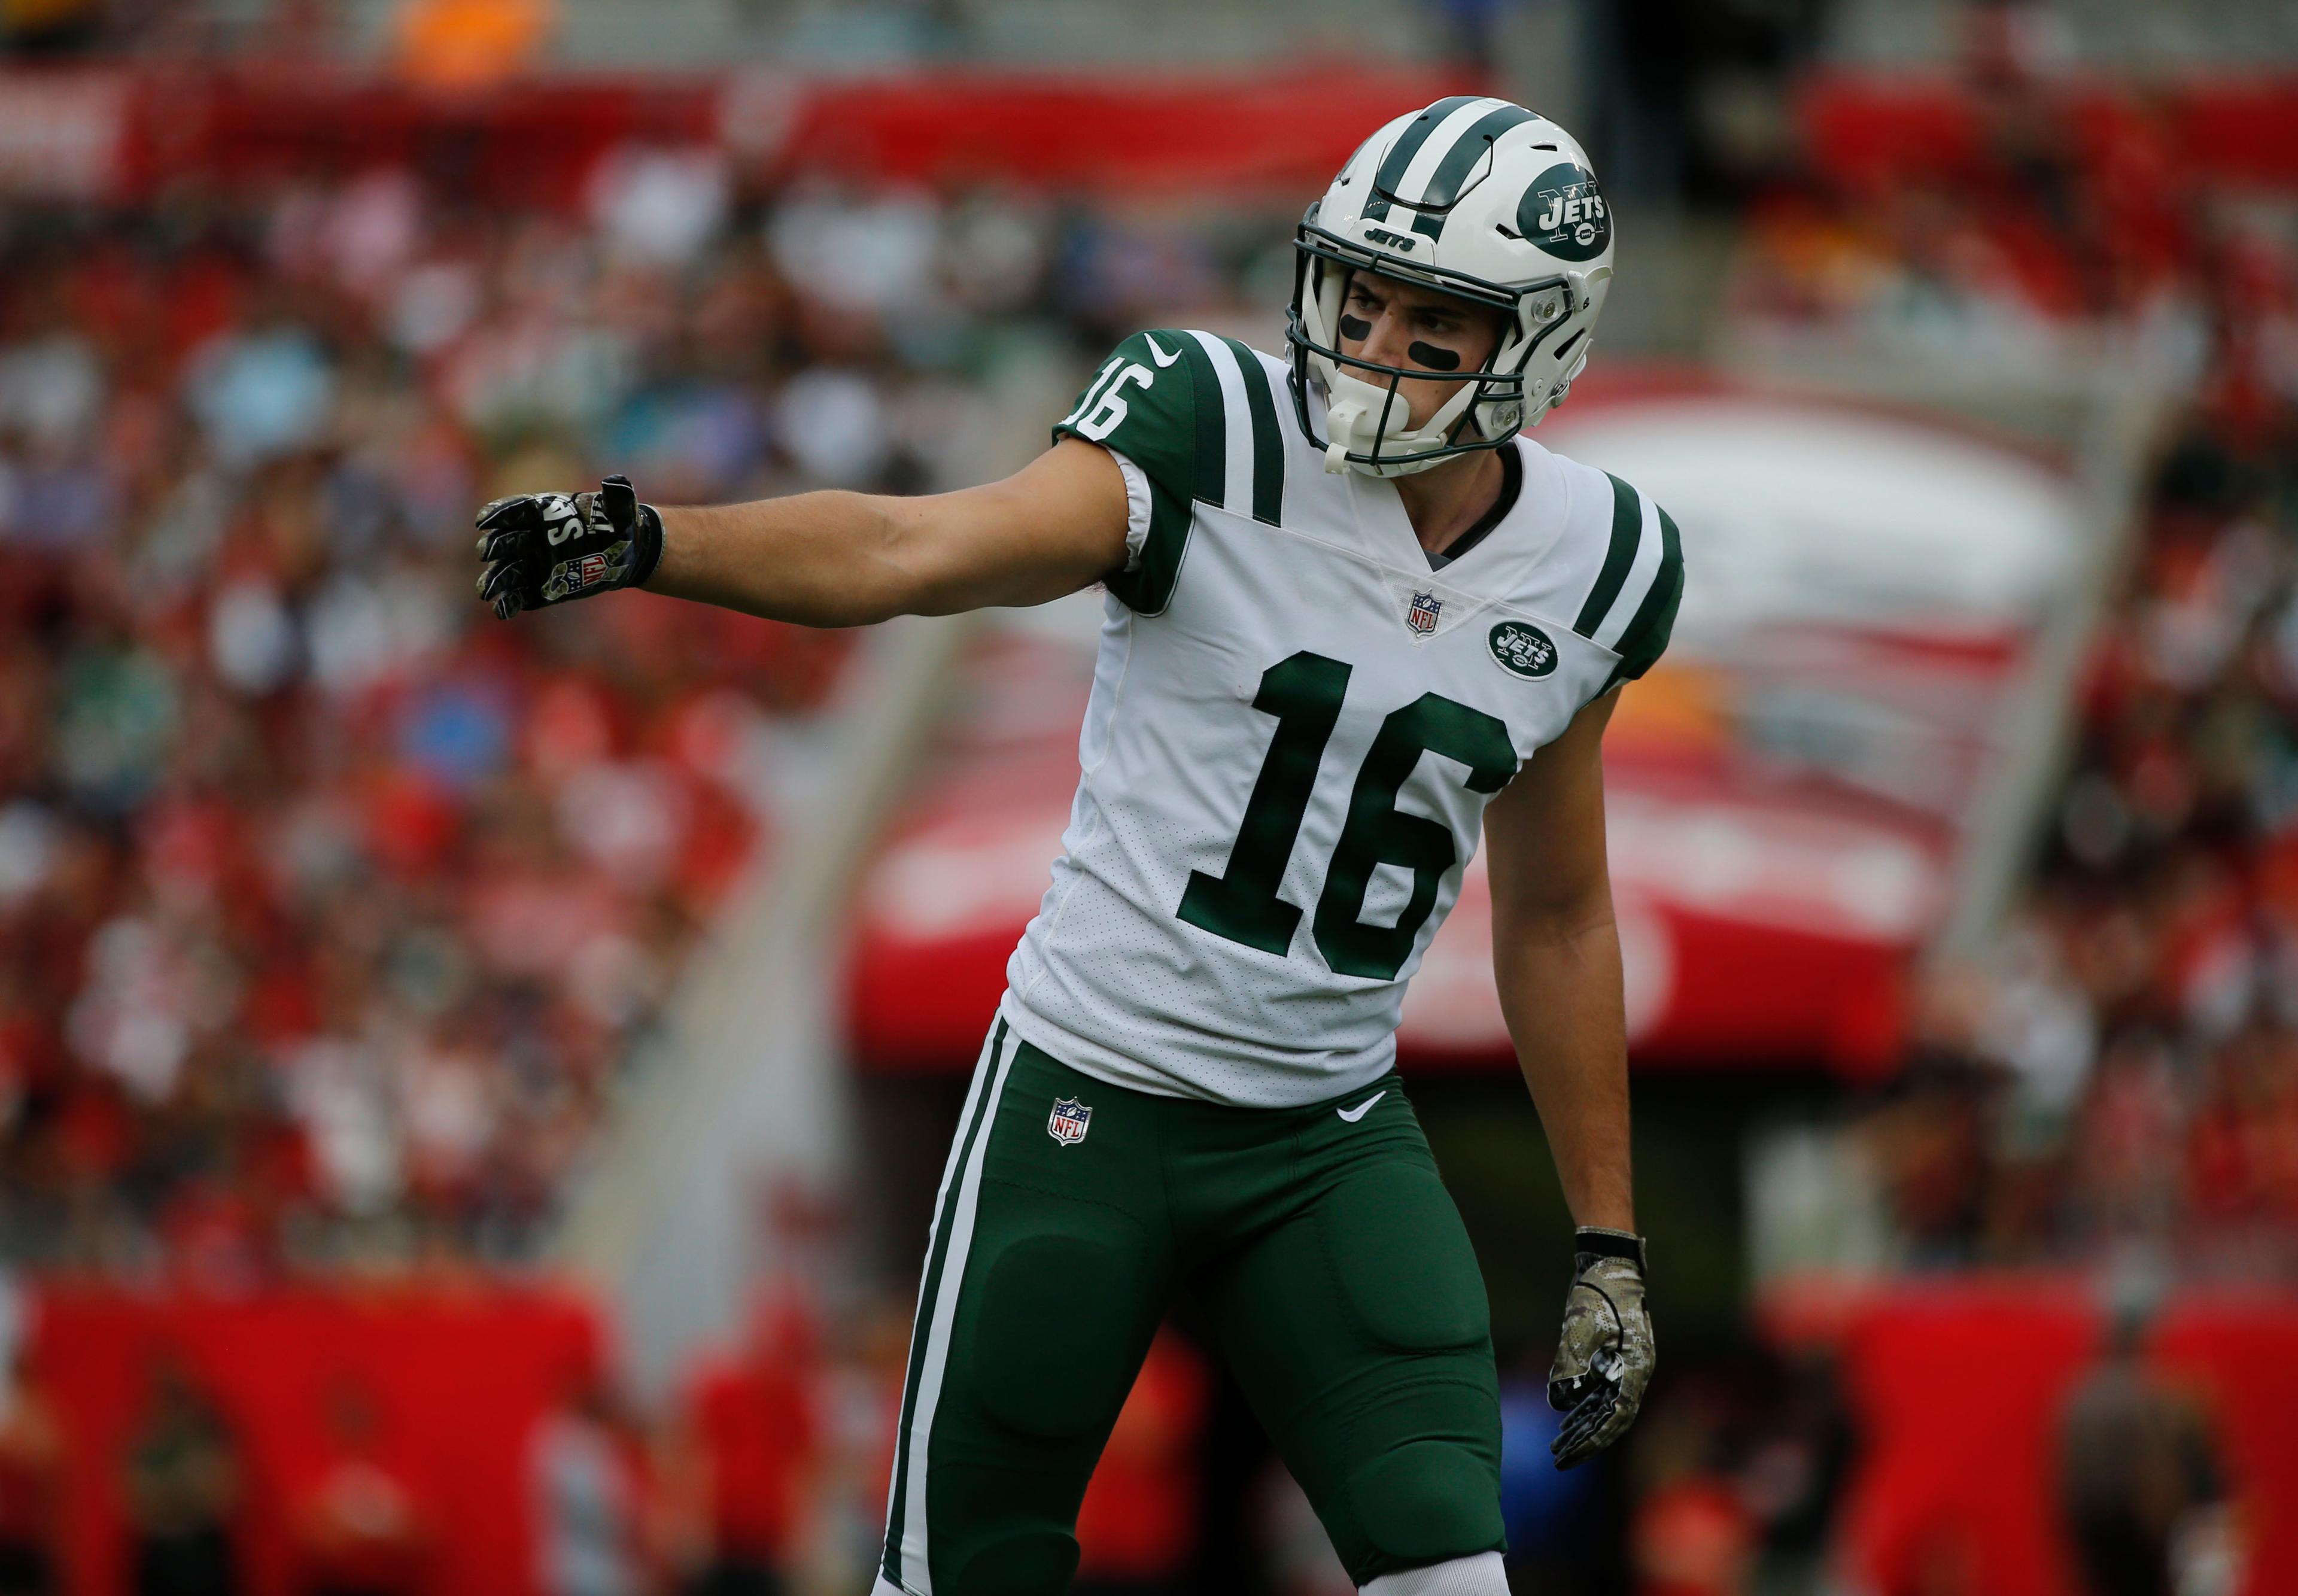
(1484, 200)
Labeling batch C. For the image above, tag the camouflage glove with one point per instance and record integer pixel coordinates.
(1604, 1359)
(545, 549)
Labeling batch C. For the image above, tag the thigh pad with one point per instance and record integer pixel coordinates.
(1063, 1318)
(1402, 1259)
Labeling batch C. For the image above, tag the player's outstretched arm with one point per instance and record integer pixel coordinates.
(1556, 954)
(821, 559)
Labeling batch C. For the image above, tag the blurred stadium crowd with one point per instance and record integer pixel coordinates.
(2124, 1072)
(321, 900)
(330, 909)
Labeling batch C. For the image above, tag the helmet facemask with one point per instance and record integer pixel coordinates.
(1365, 423)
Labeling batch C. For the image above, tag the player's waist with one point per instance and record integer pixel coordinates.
(1166, 1056)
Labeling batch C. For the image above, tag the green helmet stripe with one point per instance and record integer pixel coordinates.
(1407, 145)
(1459, 161)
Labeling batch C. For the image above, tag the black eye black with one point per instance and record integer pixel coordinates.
(1433, 359)
(1355, 327)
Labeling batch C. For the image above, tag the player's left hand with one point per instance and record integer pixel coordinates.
(1604, 1360)
(545, 549)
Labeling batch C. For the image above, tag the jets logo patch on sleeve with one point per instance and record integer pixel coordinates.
(1522, 649)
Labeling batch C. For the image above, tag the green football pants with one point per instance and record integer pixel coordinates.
(1327, 1262)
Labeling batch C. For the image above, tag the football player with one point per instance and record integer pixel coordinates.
(1352, 618)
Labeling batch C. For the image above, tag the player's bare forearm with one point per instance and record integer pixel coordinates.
(1560, 991)
(820, 559)
(1556, 958)
(846, 559)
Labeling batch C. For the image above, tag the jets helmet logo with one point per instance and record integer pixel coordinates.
(1422, 617)
(1068, 1123)
(1564, 213)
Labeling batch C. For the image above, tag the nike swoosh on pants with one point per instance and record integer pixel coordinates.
(1353, 1115)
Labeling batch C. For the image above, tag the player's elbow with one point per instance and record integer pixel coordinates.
(897, 564)
(946, 553)
(1557, 913)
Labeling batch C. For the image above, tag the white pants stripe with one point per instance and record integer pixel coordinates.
(938, 1312)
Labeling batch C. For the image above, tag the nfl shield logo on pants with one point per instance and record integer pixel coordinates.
(1067, 1125)
(1422, 618)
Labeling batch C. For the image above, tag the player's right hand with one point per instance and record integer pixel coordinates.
(1604, 1359)
(545, 549)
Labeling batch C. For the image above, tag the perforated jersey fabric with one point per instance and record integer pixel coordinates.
(1293, 729)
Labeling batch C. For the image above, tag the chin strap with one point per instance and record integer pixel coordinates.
(1357, 403)
(1339, 422)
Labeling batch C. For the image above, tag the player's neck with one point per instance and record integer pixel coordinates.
(1445, 500)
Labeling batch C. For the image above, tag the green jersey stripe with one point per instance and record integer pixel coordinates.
(1407, 145)
(1646, 637)
(1658, 608)
(1627, 526)
(1469, 149)
(1268, 440)
(1643, 573)
(1234, 491)
(953, 1184)
(1211, 473)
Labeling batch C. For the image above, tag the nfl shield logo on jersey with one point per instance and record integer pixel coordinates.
(1068, 1123)
(1422, 618)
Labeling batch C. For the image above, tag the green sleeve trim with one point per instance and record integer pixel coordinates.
(1148, 588)
(1627, 531)
(1147, 401)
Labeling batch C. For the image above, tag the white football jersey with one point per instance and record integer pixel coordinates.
(1295, 724)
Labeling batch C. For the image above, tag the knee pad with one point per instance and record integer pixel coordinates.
(1428, 1501)
(1481, 1574)
(1404, 1261)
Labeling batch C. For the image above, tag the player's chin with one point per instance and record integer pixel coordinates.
(1426, 397)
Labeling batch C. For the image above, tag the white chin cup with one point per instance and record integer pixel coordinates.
(1353, 420)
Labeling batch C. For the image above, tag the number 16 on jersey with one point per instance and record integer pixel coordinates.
(1305, 693)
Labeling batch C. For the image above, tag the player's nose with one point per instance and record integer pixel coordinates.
(1385, 344)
